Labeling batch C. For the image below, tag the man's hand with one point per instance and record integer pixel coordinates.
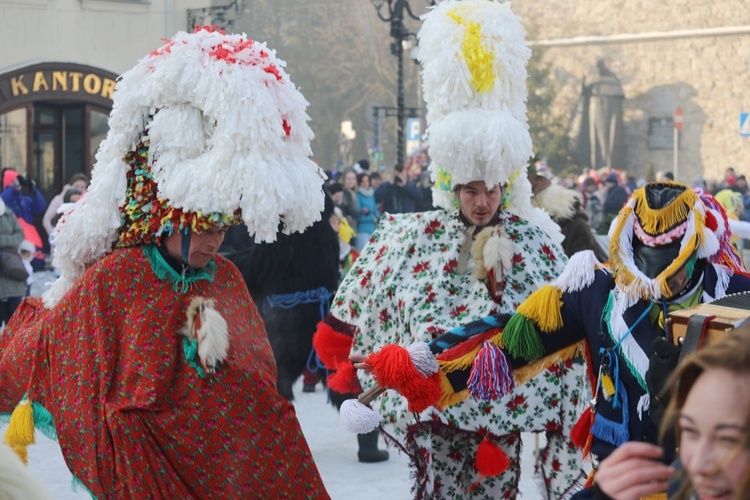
(633, 471)
(359, 362)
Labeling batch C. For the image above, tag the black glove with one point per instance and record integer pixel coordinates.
(660, 367)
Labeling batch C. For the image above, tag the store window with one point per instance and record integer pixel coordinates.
(13, 139)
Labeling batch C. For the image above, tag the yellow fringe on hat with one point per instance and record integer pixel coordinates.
(479, 60)
(20, 432)
(658, 221)
(524, 374)
(543, 308)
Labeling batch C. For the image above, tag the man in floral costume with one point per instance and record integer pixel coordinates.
(148, 360)
(484, 251)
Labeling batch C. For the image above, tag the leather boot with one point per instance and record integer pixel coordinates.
(368, 448)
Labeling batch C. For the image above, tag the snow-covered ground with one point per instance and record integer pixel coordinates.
(334, 450)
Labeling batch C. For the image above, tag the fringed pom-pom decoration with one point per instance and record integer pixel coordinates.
(580, 435)
(20, 432)
(358, 418)
(391, 366)
(543, 308)
(422, 358)
(491, 376)
(421, 393)
(491, 460)
(331, 346)
(521, 339)
(344, 379)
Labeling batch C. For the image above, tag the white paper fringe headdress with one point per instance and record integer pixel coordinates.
(474, 82)
(227, 136)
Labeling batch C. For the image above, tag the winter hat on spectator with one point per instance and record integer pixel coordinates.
(27, 246)
(474, 59)
(207, 130)
(612, 178)
(8, 177)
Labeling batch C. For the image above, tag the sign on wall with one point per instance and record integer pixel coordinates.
(745, 124)
(661, 133)
(66, 81)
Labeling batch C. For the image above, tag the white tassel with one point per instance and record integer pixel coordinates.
(579, 273)
(358, 418)
(423, 359)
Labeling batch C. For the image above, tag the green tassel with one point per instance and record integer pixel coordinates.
(521, 338)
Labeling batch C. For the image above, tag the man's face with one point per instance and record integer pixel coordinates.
(203, 246)
(479, 204)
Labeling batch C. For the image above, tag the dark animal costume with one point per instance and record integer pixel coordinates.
(292, 280)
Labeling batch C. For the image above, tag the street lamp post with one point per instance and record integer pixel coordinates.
(400, 34)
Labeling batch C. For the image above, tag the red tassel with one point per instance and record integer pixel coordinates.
(344, 380)
(332, 347)
(580, 436)
(490, 459)
(392, 366)
(422, 392)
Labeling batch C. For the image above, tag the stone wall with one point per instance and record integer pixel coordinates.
(705, 75)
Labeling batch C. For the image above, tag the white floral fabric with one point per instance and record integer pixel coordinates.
(405, 286)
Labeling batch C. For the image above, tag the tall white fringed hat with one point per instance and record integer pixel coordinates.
(206, 130)
(474, 82)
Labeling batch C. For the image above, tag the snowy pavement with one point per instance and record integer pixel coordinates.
(333, 448)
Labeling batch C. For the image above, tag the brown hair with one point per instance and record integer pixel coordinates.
(731, 353)
(79, 177)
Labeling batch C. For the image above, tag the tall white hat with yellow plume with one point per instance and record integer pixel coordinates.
(474, 82)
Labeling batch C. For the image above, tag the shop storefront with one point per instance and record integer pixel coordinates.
(52, 118)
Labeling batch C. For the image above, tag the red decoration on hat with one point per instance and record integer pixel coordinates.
(711, 222)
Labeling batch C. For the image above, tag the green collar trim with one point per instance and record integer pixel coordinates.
(180, 282)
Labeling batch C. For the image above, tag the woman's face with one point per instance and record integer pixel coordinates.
(350, 180)
(712, 433)
(365, 182)
(79, 185)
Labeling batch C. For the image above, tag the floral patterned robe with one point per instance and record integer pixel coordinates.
(406, 286)
(133, 415)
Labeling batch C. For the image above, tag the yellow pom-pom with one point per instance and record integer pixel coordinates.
(543, 308)
(20, 432)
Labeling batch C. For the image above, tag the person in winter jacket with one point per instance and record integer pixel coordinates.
(11, 290)
(369, 214)
(78, 181)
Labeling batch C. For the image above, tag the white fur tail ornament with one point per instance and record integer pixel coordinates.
(492, 253)
(206, 326)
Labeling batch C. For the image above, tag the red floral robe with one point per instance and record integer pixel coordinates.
(133, 417)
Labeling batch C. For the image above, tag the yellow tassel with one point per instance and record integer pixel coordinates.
(449, 397)
(524, 374)
(608, 387)
(20, 431)
(543, 308)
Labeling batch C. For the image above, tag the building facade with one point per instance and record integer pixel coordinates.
(58, 69)
(676, 53)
